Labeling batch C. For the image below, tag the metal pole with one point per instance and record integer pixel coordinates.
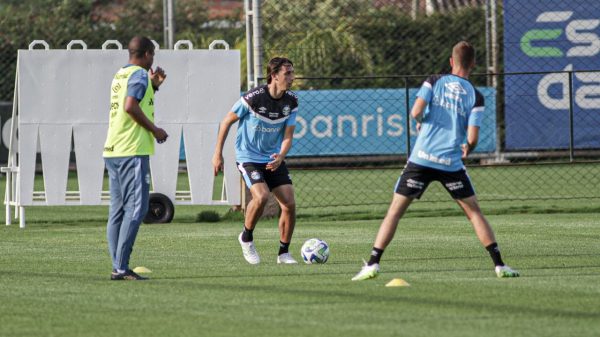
(406, 94)
(494, 79)
(488, 42)
(257, 39)
(494, 34)
(171, 11)
(571, 136)
(249, 59)
(165, 24)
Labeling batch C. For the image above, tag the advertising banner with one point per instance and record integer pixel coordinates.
(551, 36)
(367, 122)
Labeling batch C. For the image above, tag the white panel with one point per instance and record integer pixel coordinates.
(232, 174)
(90, 164)
(28, 142)
(43, 78)
(103, 66)
(198, 140)
(171, 100)
(165, 162)
(71, 89)
(214, 85)
(55, 142)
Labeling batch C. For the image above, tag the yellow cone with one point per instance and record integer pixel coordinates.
(397, 282)
(141, 270)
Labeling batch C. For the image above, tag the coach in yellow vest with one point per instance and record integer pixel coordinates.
(129, 143)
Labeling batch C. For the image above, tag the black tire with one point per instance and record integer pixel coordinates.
(160, 209)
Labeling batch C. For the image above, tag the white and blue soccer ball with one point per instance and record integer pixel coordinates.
(315, 251)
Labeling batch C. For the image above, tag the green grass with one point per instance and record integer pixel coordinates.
(54, 274)
(54, 279)
(357, 187)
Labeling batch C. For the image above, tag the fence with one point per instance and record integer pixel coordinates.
(351, 144)
(357, 62)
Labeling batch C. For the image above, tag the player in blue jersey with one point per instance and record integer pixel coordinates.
(448, 111)
(267, 118)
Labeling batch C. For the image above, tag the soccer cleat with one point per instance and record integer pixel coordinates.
(506, 271)
(367, 272)
(249, 251)
(128, 275)
(286, 258)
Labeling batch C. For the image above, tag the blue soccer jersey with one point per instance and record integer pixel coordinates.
(453, 104)
(262, 124)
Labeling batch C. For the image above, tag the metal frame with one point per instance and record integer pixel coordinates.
(12, 196)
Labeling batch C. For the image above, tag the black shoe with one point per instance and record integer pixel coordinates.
(128, 275)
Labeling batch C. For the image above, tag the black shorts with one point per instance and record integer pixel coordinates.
(257, 173)
(415, 178)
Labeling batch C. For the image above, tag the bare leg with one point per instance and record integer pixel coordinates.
(389, 224)
(260, 195)
(287, 220)
(484, 231)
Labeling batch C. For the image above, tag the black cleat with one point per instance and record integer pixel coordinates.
(128, 275)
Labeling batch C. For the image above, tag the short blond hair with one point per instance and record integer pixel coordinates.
(463, 54)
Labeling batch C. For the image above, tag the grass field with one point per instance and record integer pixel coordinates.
(54, 274)
(54, 279)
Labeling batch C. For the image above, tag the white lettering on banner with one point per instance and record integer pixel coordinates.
(300, 131)
(365, 124)
(398, 125)
(588, 40)
(341, 120)
(551, 79)
(380, 121)
(325, 126)
(328, 127)
(586, 96)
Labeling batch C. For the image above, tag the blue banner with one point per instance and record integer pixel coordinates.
(367, 122)
(549, 35)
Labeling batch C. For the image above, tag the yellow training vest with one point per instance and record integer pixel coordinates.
(126, 137)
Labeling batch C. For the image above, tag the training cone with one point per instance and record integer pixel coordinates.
(397, 282)
(141, 270)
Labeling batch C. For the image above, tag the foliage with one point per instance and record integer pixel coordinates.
(331, 39)
(58, 22)
(352, 38)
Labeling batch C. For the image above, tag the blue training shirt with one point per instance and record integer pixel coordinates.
(137, 83)
(453, 104)
(262, 124)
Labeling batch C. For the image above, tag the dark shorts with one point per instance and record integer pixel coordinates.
(415, 178)
(257, 173)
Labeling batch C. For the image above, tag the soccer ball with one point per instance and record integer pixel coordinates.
(315, 251)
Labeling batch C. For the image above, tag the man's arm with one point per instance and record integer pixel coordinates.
(286, 145)
(217, 160)
(132, 107)
(472, 139)
(418, 109)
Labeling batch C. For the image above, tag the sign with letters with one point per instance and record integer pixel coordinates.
(367, 122)
(551, 36)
